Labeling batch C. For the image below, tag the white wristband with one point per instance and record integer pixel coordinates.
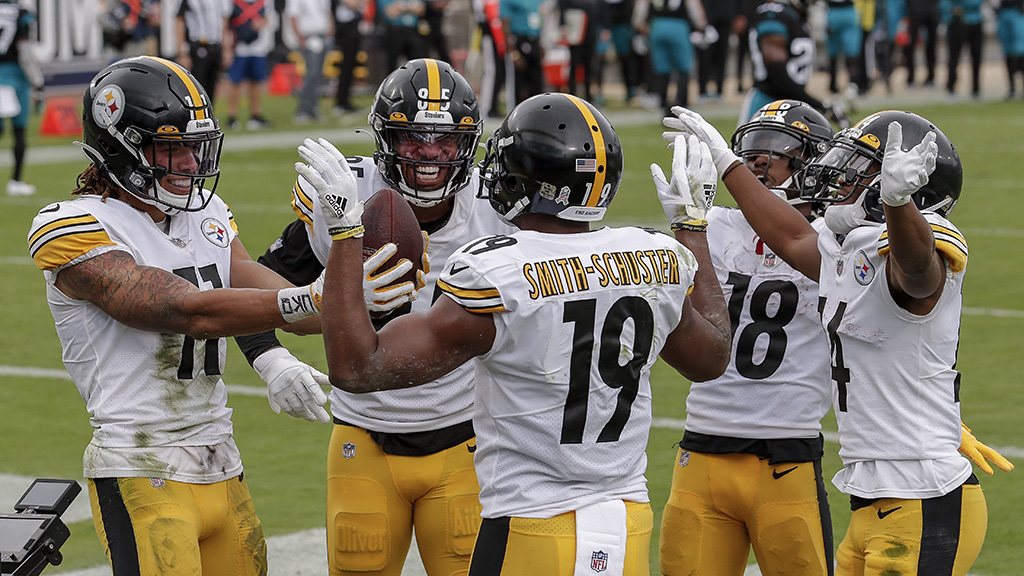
(297, 303)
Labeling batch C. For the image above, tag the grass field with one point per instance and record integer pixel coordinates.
(44, 426)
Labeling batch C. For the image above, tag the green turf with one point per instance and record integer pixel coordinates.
(44, 424)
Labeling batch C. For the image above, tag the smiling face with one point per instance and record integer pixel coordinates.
(177, 162)
(425, 157)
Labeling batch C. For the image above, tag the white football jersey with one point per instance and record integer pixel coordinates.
(896, 386)
(777, 384)
(144, 391)
(563, 399)
(449, 399)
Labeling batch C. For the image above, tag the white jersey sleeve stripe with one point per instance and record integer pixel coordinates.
(476, 300)
(56, 243)
(948, 241)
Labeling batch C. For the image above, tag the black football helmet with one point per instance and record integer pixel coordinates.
(426, 101)
(855, 156)
(554, 154)
(788, 129)
(147, 103)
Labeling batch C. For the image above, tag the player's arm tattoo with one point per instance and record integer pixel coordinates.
(142, 297)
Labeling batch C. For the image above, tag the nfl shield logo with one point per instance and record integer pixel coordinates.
(684, 458)
(348, 450)
(599, 561)
(157, 482)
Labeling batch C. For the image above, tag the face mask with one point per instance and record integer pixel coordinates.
(842, 218)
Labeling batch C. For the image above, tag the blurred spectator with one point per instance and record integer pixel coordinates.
(782, 55)
(492, 51)
(314, 27)
(879, 41)
(401, 36)
(146, 39)
(843, 36)
(963, 25)
(521, 22)
(580, 21)
(741, 27)
(619, 23)
(670, 23)
(248, 21)
(433, 24)
(922, 14)
(1010, 20)
(203, 40)
(711, 59)
(21, 85)
(118, 20)
(347, 16)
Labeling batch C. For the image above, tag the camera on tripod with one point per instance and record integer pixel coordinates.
(31, 538)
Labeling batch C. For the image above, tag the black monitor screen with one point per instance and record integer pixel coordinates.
(43, 494)
(16, 531)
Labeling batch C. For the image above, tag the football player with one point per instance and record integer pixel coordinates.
(21, 79)
(403, 459)
(750, 459)
(145, 275)
(890, 268)
(782, 57)
(563, 324)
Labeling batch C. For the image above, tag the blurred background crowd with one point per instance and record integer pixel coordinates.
(601, 50)
(642, 53)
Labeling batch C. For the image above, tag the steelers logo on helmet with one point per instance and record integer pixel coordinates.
(554, 154)
(108, 105)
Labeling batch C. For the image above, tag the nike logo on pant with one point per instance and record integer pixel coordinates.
(776, 474)
(883, 513)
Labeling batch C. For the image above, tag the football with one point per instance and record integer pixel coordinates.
(387, 217)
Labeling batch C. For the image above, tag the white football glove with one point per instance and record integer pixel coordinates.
(328, 171)
(904, 173)
(293, 386)
(421, 274)
(688, 196)
(379, 294)
(690, 122)
(301, 302)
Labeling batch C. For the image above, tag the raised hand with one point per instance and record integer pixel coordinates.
(329, 173)
(689, 194)
(690, 122)
(904, 173)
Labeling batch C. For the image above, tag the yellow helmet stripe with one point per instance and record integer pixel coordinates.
(433, 85)
(599, 149)
(774, 107)
(198, 106)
